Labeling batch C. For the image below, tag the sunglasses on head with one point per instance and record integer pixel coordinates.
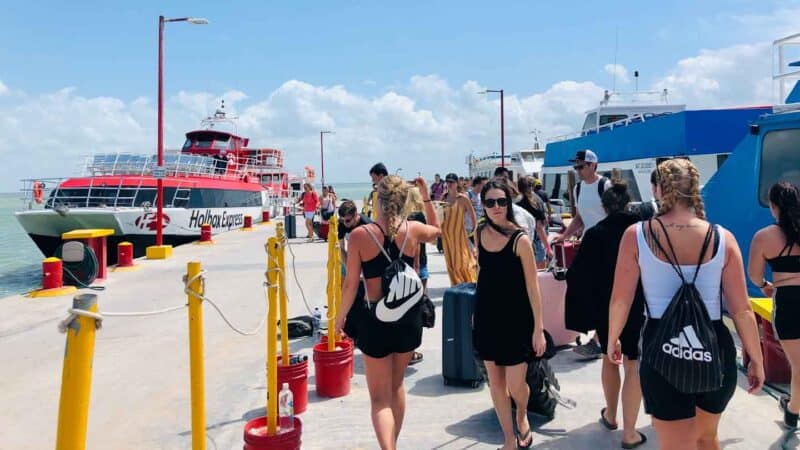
(491, 202)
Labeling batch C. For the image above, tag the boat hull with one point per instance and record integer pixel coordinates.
(135, 225)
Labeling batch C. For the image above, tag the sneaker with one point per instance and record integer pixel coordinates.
(589, 350)
(789, 419)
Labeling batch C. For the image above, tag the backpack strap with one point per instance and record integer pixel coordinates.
(578, 191)
(380, 246)
(601, 186)
(675, 265)
(515, 237)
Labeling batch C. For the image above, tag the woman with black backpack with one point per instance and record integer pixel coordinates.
(390, 328)
(688, 361)
(508, 323)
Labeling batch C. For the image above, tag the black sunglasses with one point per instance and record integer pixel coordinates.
(491, 202)
(579, 167)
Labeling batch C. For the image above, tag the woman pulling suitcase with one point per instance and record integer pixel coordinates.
(508, 324)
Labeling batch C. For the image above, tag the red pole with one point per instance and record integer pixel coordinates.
(322, 158)
(160, 186)
(502, 133)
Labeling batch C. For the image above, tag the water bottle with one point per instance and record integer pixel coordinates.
(285, 409)
(317, 317)
(323, 318)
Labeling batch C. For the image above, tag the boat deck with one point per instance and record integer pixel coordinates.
(140, 387)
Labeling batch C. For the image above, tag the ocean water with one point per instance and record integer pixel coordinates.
(21, 260)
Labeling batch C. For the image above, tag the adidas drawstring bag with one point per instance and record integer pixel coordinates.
(684, 348)
(402, 289)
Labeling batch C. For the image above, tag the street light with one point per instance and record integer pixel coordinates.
(502, 126)
(160, 182)
(322, 155)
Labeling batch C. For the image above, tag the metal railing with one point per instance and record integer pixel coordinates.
(636, 118)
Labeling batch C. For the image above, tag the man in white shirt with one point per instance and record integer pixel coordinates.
(588, 211)
(587, 194)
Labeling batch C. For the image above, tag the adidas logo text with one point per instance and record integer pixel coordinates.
(686, 346)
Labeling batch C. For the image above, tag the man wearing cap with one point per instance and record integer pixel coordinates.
(589, 210)
(587, 193)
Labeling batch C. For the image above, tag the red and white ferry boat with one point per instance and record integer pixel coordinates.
(215, 178)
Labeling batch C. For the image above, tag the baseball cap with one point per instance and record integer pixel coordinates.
(451, 177)
(585, 156)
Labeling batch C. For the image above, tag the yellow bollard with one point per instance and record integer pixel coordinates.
(337, 285)
(331, 280)
(76, 377)
(196, 371)
(282, 297)
(272, 325)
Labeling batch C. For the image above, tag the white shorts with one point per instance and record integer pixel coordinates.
(309, 215)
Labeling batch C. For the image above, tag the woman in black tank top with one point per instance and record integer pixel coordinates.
(779, 247)
(386, 346)
(507, 322)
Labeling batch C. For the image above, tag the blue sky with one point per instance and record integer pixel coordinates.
(396, 81)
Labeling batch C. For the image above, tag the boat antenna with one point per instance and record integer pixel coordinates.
(636, 80)
(535, 134)
(614, 72)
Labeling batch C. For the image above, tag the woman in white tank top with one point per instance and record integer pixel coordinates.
(675, 414)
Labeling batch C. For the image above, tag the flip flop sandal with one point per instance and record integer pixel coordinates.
(635, 444)
(415, 358)
(522, 438)
(606, 423)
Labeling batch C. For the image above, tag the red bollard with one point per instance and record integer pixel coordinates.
(205, 235)
(52, 280)
(255, 436)
(332, 370)
(124, 254)
(248, 221)
(52, 273)
(265, 216)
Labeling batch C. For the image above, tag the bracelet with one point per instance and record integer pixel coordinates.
(426, 201)
(764, 284)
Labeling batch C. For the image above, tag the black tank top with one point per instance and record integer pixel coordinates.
(374, 267)
(785, 263)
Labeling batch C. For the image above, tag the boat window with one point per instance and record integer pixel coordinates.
(721, 158)
(187, 145)
(633, 188)
(780, 161)
(591, 121)
(222, 142)
(528, 157)
(604, 120)
(266, 179)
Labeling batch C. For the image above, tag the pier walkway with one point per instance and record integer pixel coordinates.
(140, 388)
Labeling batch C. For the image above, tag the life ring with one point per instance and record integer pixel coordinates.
(38, 193)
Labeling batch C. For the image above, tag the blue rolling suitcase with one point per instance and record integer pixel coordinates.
(458, 361)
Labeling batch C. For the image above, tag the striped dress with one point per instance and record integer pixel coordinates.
(461, 264)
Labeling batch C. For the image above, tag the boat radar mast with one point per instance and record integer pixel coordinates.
(219, 117)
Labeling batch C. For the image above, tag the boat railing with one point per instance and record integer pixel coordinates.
(128, 192)
(636, 118)
(176, 164)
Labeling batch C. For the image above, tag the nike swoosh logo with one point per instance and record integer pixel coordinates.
(385, 313)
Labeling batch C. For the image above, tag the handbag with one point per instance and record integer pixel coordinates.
(428, 312)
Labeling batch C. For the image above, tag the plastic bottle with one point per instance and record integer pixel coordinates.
(285, 409)
(317, 317)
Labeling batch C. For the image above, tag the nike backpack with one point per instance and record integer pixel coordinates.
(401, 287)
(684, 348)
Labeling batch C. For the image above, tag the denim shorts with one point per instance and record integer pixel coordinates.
(309, 215)
(538, 250)
(423, 273)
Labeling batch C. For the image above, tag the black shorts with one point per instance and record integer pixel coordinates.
(785, 312)
(356, 313)
(629, 337)
(664, 402)
(380, 339)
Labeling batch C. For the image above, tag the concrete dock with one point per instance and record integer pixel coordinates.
(140, 388)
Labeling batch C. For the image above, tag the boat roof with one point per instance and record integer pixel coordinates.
(193, 132)
(686, 133)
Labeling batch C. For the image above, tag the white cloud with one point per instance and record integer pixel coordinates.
(728, 76)
(3, 88)
(618, 71)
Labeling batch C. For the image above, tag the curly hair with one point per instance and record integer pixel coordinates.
(786, 198)
(679, 180)
(392, 196)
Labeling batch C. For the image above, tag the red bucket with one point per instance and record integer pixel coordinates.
(297, 377)
(332, 370)
(255, 436)
(345, 343)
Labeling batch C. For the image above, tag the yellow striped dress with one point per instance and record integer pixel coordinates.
(461, 264)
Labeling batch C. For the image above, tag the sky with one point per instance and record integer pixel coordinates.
(397, 83)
